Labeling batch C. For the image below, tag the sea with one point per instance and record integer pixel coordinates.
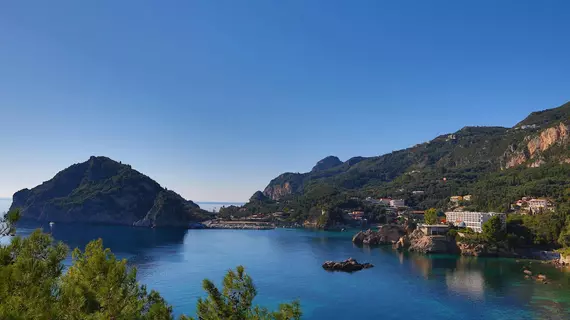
(285, 264)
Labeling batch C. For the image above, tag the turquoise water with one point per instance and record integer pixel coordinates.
(286, 265)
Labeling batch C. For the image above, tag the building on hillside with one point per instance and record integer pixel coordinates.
(418, 192)
(279, 214)
(473, 220)
(381, 202)
(396, 203)
(385, 201)
(433, 229)
(456, 199)
(356, 215)
(467, 197)
(539, 205)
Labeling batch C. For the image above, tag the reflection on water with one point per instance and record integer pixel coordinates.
(481, 278)
(286, 264)
(126, 242)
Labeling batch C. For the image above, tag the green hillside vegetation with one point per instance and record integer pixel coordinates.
(548, 116)
(469, 161)
(105, 191)
(496, 191)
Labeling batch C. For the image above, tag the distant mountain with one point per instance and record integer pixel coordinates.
(102, 190)
(447, 165)
(327, 163)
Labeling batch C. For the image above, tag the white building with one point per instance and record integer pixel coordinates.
(397, 203)
(473, 220)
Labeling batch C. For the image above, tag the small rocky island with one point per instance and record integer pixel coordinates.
(349, 265)
(101, 190)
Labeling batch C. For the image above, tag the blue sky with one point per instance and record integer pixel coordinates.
(215, 98)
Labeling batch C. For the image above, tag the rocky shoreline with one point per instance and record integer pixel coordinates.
(401, 238)
(239, 225)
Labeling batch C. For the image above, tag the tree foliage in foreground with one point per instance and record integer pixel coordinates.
(7, 222)
(235, 301)
(98, 286)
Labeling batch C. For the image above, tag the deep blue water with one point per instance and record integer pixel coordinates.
(286, 265)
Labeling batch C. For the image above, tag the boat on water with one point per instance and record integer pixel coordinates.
(51, 224)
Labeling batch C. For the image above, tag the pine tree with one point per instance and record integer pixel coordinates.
(235, 301)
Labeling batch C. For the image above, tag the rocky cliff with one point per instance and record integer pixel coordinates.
(536, 145)
(102, 190)
(284, 185)
(417, 241)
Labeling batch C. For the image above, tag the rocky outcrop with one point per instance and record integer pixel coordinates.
(101, 190)
(349, 265)
(482, 249)
(387, 234)
(514, 158)
(327, 163)
(417, 241)
(535, 145)
(429, 244)
(547, 138)
(276, 192)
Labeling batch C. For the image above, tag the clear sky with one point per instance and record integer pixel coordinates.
(213, 99)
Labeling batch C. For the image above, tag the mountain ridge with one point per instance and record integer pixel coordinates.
(539, 139)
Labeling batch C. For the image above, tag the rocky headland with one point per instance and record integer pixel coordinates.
(101, 190)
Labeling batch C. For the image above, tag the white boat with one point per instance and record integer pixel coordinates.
(51, 224)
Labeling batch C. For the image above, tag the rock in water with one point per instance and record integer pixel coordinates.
(101, 190)
(349, 265)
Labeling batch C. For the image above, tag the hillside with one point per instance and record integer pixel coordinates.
(102, 190)
(450, 164)
(547, 117)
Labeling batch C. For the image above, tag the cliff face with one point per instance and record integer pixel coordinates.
(535, 146)
(284, 185)
(101, 190)
(276, 192)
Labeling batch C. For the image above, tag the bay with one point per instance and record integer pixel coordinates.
(286, 264)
